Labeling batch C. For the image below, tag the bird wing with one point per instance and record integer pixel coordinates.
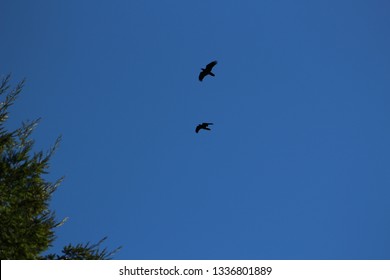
(201, 75)
(207, 123)
(197, 128)
(211, 65)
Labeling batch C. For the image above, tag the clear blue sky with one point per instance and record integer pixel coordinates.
(296, 166)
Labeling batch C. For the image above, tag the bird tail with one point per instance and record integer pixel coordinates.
(212, 74)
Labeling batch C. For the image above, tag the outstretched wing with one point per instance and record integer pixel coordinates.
(207, 123)
(202, 75)
(197, 128)
(210, 66)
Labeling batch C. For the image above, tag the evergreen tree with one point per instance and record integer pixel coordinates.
(26, 223)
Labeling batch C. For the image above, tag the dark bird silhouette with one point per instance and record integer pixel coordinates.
(207, 71)
(203, 126)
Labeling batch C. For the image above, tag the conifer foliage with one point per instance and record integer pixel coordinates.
(26, 223)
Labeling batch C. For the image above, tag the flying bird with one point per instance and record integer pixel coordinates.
(203, 126)
(207, 71)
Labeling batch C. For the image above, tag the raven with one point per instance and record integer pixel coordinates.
(207, 71)
(202, 126)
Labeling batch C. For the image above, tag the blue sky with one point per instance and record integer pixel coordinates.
(296, 165)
